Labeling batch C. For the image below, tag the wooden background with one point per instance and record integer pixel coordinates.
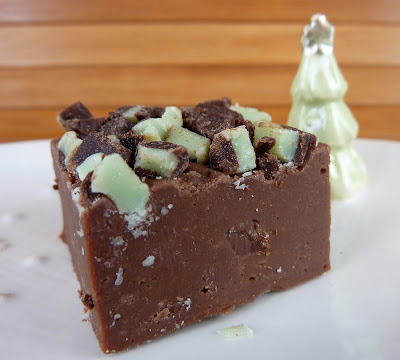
(109, 53)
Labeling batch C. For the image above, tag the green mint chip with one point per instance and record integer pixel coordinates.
(68, 144)
(172, 116)
(287, 140)
(197, 145)
(244, 150)
(156, 129)
(251, 114)
(130, 113)
(114, 178)
(164, 158)
(89, 165)
(151, 129)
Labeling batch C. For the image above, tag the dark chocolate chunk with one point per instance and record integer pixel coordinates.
(98, 143)
(209, 121)
(117, 125)
(307, 145)
(249, 126)
(269, 163)
(84, 127)
(145, 173)
(263, 145)
(224, 102)
(131, 140)
(141, 113)
(179, 151)
(147, 112)
(223, 156)
(120, 110)
(75, 111)
(87, 197)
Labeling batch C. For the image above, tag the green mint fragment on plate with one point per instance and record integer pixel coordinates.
(286, 140)
(114, 178)
(197, 145)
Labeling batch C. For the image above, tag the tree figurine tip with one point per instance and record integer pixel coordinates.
(318, 36)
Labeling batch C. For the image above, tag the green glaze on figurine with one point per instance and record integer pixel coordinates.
(318, 107)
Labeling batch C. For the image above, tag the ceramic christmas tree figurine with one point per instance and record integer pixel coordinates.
(318, 107)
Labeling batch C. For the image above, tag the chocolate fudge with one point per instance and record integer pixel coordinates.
(172, 216)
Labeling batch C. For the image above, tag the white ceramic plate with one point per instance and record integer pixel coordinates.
(352, 312)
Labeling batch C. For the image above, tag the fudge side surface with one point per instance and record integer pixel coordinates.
(206, 241)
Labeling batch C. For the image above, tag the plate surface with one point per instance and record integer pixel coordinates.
(351, 312)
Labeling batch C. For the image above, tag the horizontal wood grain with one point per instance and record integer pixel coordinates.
(28, 124)
(109, 86)
(16, 11)
(168, 44)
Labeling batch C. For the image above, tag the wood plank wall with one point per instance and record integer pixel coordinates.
(109, 53)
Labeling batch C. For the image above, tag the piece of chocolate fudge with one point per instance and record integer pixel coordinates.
(190, 239)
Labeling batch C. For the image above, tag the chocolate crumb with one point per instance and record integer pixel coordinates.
(223, 156)
(269, 163)
(87, 300)
(6, 295)
(263, 145)
(4, 244)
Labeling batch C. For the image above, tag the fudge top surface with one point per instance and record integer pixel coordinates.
(118, 154)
